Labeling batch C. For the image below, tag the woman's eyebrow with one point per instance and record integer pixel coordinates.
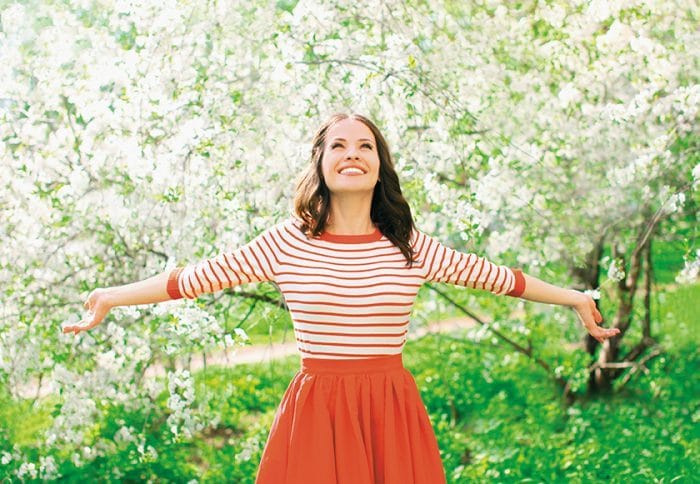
(361, 139)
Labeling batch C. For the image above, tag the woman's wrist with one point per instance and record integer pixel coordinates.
(540, 291)
(578, 299)
(108, 296)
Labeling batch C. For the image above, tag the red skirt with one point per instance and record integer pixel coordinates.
(351, 421)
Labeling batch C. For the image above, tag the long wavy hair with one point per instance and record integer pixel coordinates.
(389, 211)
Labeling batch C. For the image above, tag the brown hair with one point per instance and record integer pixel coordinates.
(389, 212)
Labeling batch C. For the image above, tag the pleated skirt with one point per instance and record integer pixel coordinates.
(351, 422)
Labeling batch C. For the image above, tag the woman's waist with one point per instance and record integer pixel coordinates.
(355, 365)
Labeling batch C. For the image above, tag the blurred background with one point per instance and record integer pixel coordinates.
(559, 137)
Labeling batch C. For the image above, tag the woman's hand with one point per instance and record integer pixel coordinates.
(589, 316)
(98, 305)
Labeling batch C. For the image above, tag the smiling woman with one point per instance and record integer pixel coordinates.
(349, 263)
(362, 202)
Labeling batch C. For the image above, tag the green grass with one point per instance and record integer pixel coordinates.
(265, 334)
(499, 417)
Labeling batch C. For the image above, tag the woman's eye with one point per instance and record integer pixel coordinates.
(364, 145)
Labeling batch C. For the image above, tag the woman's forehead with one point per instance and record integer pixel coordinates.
(350, 129)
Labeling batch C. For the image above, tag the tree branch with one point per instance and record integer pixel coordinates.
(638, 349)
(521, 349)
(640, 365)
(259, 297)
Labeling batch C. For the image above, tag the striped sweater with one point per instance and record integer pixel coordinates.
(350, 296)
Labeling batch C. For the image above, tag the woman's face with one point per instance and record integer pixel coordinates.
(350, 144)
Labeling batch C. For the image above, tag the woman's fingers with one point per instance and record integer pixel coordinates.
(92, 299)
(597, 317)
(96, 312)
(596, 314)
(82, 325)
(601, 334)
(91, 319)
(590, 317)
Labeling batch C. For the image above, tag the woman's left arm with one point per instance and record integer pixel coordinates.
(540, 291)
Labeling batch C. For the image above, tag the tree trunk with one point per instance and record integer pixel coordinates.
(588, 277)
(626, 290)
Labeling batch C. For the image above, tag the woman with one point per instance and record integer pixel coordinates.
(349, 264)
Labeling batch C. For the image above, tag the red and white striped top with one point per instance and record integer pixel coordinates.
(350, 296)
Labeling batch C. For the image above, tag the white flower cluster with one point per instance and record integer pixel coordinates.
(674, 203)
(19, 345)
(27, 469)
(616, 271)
(248, 448)
(124, 435)
(502, 240)
(490, 189)
(147, 453)
(182, 420)
(47, 469)
(518, 326)
(77, 413)
(112, 381)
(691, 270)
(192, 324)
(230, 343)
(5, 458)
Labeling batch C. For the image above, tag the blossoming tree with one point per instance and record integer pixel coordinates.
(135, 136)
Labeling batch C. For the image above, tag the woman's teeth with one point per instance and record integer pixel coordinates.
(351, 171)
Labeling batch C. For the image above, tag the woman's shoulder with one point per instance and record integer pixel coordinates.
(416, 234)
(287, 224)
(280, 226)
(291, 222)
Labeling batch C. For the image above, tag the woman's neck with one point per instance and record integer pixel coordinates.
(350, 216)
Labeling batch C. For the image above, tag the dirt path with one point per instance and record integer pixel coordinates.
(246, 354)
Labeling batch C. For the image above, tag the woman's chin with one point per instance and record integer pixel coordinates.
(351, 189)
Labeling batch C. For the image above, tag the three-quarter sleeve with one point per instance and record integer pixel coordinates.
(253, 262)
(444, 264)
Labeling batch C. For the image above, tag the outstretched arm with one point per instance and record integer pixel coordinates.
(101, 300)
(253, 262)
(540, 291)
(444, 264)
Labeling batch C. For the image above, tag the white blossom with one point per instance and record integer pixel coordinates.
(240, 332)
(569, 94)
(615, 271)
(48, 469)
(182, 420)
(690, 271)
(27, 469)
(675, 202)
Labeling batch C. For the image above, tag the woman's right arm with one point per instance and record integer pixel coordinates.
(101, 300)
(253, 262)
